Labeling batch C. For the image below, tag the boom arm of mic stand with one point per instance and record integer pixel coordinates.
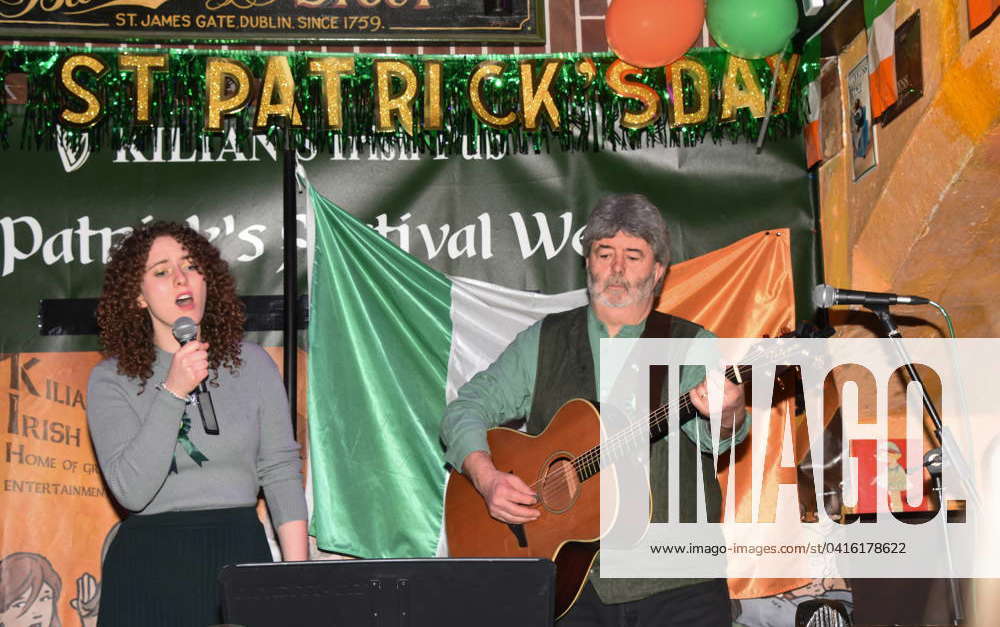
(892, 332)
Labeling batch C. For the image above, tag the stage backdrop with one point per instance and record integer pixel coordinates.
(510, 220)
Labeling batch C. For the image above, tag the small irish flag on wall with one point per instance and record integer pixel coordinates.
(811, 68)
(880, 21)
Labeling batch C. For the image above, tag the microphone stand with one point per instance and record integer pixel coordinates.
(290, 336)
(933, 459)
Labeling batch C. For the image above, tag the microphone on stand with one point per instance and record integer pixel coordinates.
(826, 296)
(185, 330)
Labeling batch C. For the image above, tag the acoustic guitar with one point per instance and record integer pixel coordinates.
(561, 464)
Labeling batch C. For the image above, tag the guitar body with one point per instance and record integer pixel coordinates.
(568, 530)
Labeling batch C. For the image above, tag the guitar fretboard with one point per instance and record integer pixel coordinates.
(588, 463)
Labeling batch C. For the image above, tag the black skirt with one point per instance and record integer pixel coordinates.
(163, 569)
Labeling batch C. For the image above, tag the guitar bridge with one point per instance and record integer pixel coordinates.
(518, 531)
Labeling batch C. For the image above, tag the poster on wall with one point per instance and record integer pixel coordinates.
(830, 106)
(909, 70)
(901, 477)
(860, 119)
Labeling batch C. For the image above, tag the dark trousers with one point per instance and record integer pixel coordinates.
(700, 605)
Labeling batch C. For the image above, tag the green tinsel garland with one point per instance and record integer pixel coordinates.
(589, 110)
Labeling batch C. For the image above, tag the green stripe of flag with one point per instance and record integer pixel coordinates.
(875, 8)
(379, 340)
(810, 59)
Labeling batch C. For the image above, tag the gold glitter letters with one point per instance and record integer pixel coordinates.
(399, 105)
(218, 103)
(734, 97)
(433, 114)
(784, 73)
(143, 65)
(699, 95)
(483, 71)
(331, 69)
(277, 79)
(587, 69)
(615, 77)
(536, 96)
(90, 115)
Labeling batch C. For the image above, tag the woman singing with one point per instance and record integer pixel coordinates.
(192, 495)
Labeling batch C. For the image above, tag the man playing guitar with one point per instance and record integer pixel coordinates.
(626, 247)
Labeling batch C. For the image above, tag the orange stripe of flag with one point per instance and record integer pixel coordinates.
(882, 85)
(813, 152)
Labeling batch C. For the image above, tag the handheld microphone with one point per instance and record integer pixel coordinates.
(826, 296)
(185, 330)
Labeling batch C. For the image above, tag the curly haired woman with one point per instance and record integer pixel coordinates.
(192, 495)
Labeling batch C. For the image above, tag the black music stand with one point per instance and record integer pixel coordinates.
(390, 593)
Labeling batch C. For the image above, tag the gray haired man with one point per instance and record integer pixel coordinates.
(626, 245)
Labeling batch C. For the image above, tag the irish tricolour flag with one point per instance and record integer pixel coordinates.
(880, 21)
(390, 342)
(811, 66)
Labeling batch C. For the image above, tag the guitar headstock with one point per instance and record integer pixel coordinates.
(787, 353)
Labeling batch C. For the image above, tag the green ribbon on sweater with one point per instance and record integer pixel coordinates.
(189, 446)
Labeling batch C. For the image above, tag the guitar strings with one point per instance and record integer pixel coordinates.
(590, 460)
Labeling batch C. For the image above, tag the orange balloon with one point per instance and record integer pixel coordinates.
(653, 33)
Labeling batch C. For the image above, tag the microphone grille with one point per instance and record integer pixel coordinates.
(824, 296)
(185, 329)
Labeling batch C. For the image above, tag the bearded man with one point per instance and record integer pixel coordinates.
(626, 245)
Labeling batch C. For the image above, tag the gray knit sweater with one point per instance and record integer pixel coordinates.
(135, 436)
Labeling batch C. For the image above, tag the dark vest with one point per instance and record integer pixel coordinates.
(566, 371)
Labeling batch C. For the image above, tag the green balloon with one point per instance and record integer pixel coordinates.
(752, 29)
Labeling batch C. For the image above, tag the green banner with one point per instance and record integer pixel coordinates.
(511, 219)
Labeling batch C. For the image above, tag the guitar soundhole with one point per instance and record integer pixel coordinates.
(559, 486)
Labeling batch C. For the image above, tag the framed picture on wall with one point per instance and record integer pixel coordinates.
(859, 119)
(831, 102)
(909, 73)
(899, 477)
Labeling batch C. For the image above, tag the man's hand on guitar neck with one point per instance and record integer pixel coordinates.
(507, 497)
(734, 408)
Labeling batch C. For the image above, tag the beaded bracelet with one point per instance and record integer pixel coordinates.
(163, 386)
